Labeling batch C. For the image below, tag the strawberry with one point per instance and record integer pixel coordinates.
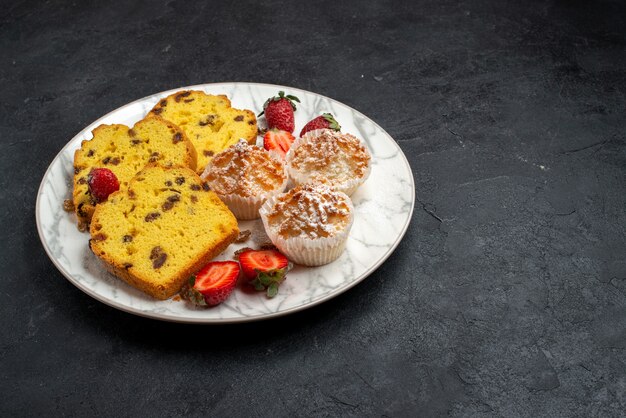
(325, 121)
(264, 269)
(279, 112)
(277, 140)
(102, 182)
(213, 284)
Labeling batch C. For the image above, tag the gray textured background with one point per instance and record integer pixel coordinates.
(507, 296)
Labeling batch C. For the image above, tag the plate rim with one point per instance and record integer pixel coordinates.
(208, 321)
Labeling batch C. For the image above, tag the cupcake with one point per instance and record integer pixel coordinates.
(325, 156)
(244, 176)
(309, 224)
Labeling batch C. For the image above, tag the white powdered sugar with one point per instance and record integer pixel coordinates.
(244, 170)
(244, 176)
(312, 211)
(310, 224)
(339, 160)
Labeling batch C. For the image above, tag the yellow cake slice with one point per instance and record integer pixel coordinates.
(125, 151)
(161, 229)
(209, 121)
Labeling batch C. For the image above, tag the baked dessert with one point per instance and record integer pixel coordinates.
(161, 229)
(309, 224)
(339, 160)
(125, 151)
(244, 177)
(209, 121)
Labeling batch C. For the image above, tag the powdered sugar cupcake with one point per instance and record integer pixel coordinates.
(245, 176)
(339, 160)
(310, 223)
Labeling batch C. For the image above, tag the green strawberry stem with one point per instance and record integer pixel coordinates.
(281, 95)
(332, 122)
(272, 290)
(188, 292)
(269, 280)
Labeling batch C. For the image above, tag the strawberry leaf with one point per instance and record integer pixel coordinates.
(272, 290)
(281, 96)
(192, 295)
(266, 279)
(332, 122)
(269, 280)
(198, 298)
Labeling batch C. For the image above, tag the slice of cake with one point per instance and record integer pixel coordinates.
(209, 121)
(125, 151)
(161, 229)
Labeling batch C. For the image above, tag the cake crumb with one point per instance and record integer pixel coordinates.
(268, 246)
(68, 205)
(243, 236)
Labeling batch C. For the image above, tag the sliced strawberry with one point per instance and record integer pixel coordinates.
(264, 269)
(213, 284)
(255, 261)
(325, 121)
(277, 140)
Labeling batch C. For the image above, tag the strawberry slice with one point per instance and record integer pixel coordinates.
(264, 269)
(213, 284)
(279, 141)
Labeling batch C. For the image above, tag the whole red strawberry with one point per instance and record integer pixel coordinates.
(279, 112)
(325, 121)
(102, 182)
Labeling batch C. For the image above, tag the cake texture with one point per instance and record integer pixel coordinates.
(310, 223)
(209, 121)
(125, 151)
(162, 228)
(244, 176)
(325, 156)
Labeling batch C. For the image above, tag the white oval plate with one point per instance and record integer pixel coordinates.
(383, 208)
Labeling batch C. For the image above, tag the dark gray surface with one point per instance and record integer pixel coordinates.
(507, 296)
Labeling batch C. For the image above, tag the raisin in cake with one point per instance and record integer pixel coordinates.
(125, 151)
(161, 229)
(209, 121)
